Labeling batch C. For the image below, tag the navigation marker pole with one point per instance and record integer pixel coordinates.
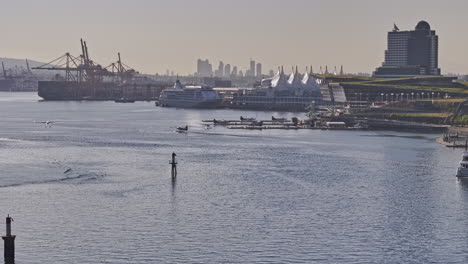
(9, 252)
(174, 166)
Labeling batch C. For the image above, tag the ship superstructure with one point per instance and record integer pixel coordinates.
(189, 97)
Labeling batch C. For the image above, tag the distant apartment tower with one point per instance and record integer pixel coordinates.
(227, 70)
(204, 68)
(259, 70)
(411, 53)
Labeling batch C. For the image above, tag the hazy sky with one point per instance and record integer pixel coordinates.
(155, 35)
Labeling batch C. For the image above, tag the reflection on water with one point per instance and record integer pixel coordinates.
(173, 186)
(400, 136)
(463, 183)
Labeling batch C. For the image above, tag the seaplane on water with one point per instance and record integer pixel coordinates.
(277, 118)
(247, 119)
(182, 129)
(47, 123)
(220, 122)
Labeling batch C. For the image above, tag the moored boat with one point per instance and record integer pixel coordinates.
(462, 171)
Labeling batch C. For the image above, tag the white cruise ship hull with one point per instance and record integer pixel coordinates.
(208, 103)
(189, 97)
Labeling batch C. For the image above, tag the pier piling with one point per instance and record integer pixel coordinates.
(9, 252)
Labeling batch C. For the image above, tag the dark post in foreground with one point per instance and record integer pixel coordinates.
(9, 243)
(174, 165)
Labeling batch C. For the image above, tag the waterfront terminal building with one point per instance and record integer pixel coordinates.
(296, 92)
(410, 53)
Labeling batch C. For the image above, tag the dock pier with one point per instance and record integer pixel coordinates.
(329, 123)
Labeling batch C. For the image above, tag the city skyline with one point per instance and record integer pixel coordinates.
(206, 69)
(164, 36)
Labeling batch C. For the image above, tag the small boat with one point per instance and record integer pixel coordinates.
(182, 129)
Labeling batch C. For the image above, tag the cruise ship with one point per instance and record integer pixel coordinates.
(189, 97)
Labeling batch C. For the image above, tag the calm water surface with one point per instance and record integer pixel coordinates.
(96, 188)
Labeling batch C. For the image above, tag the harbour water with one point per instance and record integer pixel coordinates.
(95, 187)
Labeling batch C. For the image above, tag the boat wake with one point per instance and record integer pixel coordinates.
(80, 178)
(10, 139)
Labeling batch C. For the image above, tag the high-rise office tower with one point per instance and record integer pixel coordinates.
(220, 70)
(410, 53)
(251, 70)
(204, 68)
(227, 70)
(234, 71)
(259, 70)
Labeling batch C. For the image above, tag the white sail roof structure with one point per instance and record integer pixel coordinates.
(305, 78)
(266, 82)
(279, 80)
(295, 79)
(309, 81)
